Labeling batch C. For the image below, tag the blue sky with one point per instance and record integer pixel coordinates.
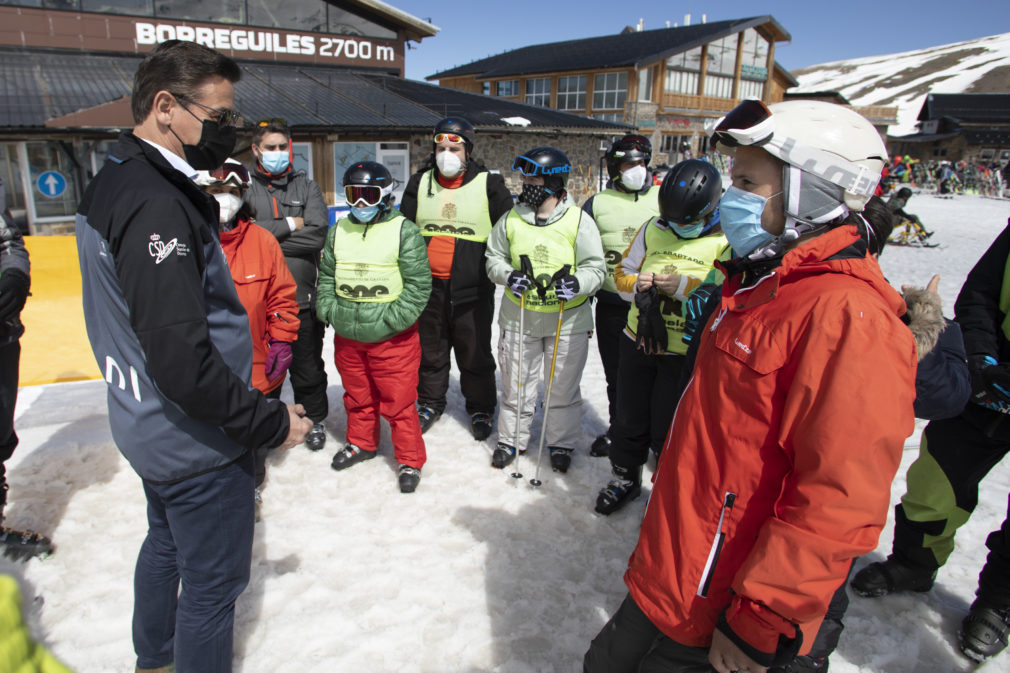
(473, 29)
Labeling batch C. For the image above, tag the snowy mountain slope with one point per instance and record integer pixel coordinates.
(903, 80)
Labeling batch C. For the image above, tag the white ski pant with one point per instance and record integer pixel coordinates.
(565, 413)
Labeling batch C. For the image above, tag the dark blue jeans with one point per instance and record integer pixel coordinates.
(200, 530)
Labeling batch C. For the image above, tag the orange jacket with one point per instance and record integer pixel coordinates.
(266, 289)
(777, 469)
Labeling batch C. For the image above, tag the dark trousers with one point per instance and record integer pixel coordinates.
(942, 492)
(610, 322)
(465, 329)
(200, 531)
(631, 643)
(831, 628)
(261, 453)
(10, 356)
(647, 396)
(307, 371)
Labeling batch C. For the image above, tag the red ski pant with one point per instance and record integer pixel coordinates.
(381, 379)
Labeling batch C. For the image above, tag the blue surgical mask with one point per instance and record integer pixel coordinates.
(740, 213)
(275, 162)
(365, 214)
(689, 230)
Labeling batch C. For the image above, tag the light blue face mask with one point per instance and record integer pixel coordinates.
(275, 162)
(689, 230)
(365, 214)
(740, 213)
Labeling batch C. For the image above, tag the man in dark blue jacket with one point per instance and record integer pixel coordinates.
(172, 339)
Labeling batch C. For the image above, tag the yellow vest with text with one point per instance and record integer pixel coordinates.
(550, 248)
(367, 260)
(619, 216)
(461, 213)
(668, 253)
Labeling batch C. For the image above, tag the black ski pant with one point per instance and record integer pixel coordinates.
(647, 395)
(942, 492)
(611, 319)
(631, 643)
(307, 371)
(465, 329)
(10, 356)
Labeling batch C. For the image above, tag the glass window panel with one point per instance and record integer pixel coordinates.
(508, 88)
(485, 88)
(538, 91)
(49, 156)
(343, 22)
(718, 86)
(610, 90)
(135, 7)
(22, 3)
(722, 56)
(308, 15)
(572, 92)
(216, 11)
(754, 59)
(346, 155)
(751, 89)
(61, 4)
(645, 84)
(10, 173)
(678, 81)
(688, 60)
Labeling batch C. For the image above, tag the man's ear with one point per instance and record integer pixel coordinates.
(164, 107)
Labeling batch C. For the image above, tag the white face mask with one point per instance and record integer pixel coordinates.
(633, 179)
(448, 164)
(228, 205)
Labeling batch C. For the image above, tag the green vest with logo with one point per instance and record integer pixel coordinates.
(665, 252)
(367, 260)
(461, 213)
(619, 216)
(549, 248)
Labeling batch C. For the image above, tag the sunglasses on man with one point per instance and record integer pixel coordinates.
(221, 117)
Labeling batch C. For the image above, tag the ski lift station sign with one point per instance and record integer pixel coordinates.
(51, 184)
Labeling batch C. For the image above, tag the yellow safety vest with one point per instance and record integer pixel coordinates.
(619, 216)
(461, 213)
(367, 260)
(549, 248)
(668, 253)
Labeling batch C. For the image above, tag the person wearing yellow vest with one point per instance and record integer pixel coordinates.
(619, 211)
(19, 653)
(374, 282)
(670, 256)
(563, 256)
(454, 200)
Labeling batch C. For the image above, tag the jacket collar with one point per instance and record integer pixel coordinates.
(131, 147)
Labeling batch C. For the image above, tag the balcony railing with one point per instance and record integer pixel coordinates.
(688, 102)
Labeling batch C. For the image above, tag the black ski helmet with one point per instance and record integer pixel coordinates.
(371, 174)
(690, 192)
(904, 193)
(628, 148)
(550, 162)
(460, 127)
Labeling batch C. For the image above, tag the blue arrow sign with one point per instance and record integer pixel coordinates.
(51, 184)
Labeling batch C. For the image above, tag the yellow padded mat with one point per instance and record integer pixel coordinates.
(55, 345)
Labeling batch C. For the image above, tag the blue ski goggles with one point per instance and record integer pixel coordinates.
(530, 169)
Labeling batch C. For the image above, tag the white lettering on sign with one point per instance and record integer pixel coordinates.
(240, 39)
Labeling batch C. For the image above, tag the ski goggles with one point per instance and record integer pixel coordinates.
(273, 121)
(451, 137)
(530, 169)
(368, 195)
(235, 173)
(749, 123)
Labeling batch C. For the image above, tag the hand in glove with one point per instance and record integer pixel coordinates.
(566, 286)
(13, 293)
(651, 332)
(693, 310)
(278, 359)
(518, 282)
(990, 381)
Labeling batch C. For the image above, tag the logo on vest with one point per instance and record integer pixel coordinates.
(449, 229)
(541, 254)
(629, 234)
(668, 305)
(613, 258)
(159, 249)
(363, 292)
(669, 268)
(360, 269)
(449, 211)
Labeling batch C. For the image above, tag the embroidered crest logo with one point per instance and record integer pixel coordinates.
(670, 268)
(541, 254)
(449, 211)
(629, 234)
(360, 269)
(159, 249)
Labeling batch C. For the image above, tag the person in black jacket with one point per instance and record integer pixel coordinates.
(956, 454)
(172, 339)
(455, 201)
(291, 207)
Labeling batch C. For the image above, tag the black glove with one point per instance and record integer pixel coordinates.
(694, 310)
(651, 332)
(13, 293)
(566, 286)
(518, 282)
(990, 382)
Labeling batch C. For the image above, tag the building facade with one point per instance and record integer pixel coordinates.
(969, 127)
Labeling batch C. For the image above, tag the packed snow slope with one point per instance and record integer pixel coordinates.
(903, 80)
(474, 572)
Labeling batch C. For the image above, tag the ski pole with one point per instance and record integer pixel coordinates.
(535, 481)
(527, 267)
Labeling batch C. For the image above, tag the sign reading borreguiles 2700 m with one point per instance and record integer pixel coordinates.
(257, 41)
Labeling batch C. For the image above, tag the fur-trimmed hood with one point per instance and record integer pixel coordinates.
(925, 318)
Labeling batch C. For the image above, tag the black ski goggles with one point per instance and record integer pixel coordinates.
(749, 123)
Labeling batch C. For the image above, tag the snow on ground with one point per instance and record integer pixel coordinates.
(474, 572)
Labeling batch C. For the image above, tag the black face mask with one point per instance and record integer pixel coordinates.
(533, 195)
(215, 145)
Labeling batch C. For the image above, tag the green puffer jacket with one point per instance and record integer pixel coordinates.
(372, 322)
(18, 652)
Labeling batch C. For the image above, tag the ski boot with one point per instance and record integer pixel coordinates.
(625, 487)
(315, 439)
(883, 578)
(480, 426)
(427, 415)
(601, 446)
(561, 459)
(409, 478)
(984, 631)
(21, 545)
(350, 455)
(503, 455)
(804, 664)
